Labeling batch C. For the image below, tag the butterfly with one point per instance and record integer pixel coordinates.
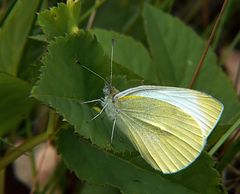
(169, 126)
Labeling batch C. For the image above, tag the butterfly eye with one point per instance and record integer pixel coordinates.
(113, 99)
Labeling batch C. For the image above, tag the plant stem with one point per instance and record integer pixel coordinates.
(200, 64)
(235, 41)
(132, 21)
(14, 154)
(2, 179)
(224, 137)
(92, 16)
(32, 159)
(190, 11)
(167, 5)
(52, 121)
(54, 180)
(221, 24)
(92, 9)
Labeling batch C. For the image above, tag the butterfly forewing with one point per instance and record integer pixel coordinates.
(205, 109)
(168, 138)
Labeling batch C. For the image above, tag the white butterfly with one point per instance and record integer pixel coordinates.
(169, 126)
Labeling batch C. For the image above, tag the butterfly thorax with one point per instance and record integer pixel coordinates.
(109, 101)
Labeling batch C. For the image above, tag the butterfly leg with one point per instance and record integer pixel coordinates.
(99, 112)
(113, 128)
(96, 100)
(90, 101)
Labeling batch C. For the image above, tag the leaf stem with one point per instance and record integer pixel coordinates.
(200, 64)
(14, 154)
(224, 137)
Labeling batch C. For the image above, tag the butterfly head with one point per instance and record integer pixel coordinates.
(109, 90)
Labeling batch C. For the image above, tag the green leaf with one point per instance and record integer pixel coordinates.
(229, 153)
(176, 50)
(15, 103)
(216, 135)
(101, 167)
(60, 20)
(30, 62)
(117, 15)
(127, 52)
(90, 189)
(64, 84)
(14, 33)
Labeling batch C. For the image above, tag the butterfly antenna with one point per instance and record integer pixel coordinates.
(200, 64)
(111, 64)
(92, 72)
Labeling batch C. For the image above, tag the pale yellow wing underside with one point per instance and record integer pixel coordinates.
(168, 138)
(205, 109)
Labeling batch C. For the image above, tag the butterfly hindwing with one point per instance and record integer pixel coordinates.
(166, 137)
